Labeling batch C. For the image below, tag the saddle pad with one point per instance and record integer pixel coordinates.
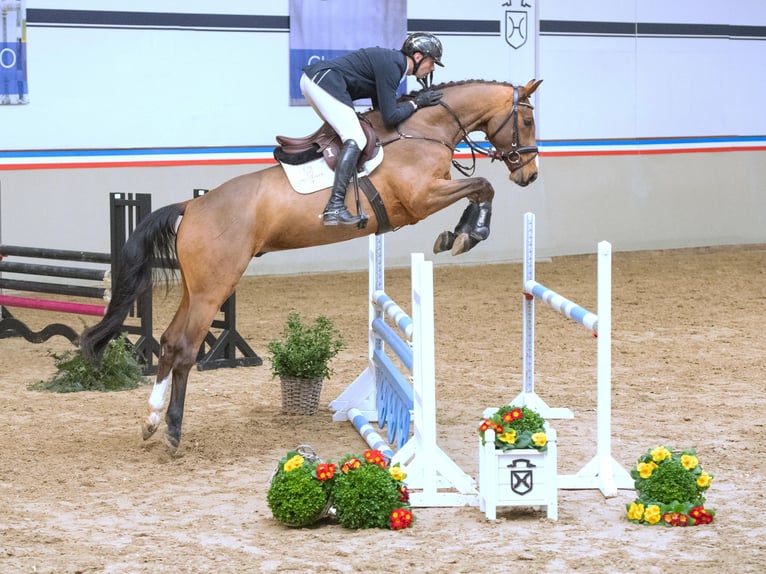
(315, 175)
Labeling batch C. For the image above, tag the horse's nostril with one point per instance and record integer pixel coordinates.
(533, 177)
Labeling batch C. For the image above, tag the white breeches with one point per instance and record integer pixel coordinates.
(341, 117)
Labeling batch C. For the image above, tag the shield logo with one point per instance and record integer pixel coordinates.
(522, 478)
(516, 28)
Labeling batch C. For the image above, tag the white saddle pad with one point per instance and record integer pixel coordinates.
(315, 175)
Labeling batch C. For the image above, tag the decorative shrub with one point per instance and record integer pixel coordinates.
(369, 494)
(305, 351)
(299, 492)
(670, 486)
(119, 370)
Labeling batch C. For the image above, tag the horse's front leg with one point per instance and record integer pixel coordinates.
(473, 225)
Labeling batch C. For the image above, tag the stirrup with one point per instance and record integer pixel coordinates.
(342, 216)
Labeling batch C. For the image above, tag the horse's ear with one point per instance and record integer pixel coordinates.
(531, 86)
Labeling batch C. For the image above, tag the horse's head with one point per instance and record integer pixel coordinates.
(512, 133)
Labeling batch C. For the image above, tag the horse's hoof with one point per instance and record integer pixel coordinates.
(171, 443)
(148, 430)
(444, 241)
(463, 243)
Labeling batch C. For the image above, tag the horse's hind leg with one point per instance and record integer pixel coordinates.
(179, 345)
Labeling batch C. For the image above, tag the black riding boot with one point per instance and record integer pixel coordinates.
(335, 212)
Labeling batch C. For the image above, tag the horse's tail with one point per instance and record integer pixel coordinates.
(151, 243)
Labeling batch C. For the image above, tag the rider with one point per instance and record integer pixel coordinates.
(331, 86)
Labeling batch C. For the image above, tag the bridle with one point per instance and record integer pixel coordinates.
(512, 157)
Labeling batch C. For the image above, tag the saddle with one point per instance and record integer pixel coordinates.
(324, 142)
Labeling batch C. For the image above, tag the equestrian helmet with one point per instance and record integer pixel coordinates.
(425, 43)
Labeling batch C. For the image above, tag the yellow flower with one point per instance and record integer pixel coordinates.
(636, 511)
(689, 461)
(540, 439)
(508, 437)
(660, 453)
(704, 480)
(397, 473)
(293, 463)
(645, 469)
(652, 514)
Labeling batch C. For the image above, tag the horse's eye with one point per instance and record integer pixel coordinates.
(529, 122)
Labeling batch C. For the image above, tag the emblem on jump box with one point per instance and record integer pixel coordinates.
(516, 27)
(522, 478)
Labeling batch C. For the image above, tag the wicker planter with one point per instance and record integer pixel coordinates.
(300, 396)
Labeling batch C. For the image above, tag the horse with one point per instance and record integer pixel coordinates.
(258, 213)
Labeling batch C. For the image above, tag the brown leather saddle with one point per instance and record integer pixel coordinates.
(323, 142)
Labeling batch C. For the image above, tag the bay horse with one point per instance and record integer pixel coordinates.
(258, 213)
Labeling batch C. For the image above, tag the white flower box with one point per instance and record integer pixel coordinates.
(518, 477)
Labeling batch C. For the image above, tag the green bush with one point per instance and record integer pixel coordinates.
(365, 497)
(119, 370)
(305, 351)
(296, 496)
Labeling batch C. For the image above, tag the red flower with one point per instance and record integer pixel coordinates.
(375, 457)
(514, 415)
(350, 464)
(485, 425)
(404, 494)
(700, 516)
(325, 471)
(683, 520)
(401, 518)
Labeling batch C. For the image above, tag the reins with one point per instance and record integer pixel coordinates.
(512, 157)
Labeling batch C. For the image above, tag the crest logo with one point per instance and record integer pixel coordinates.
(516, 28)
(522, 478)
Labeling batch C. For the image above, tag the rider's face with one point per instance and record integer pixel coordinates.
(427, 65)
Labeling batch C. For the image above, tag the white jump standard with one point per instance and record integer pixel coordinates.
(383, 393)
(602, 472)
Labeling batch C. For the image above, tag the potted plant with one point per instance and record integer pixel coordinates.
(518, 461)
(370, 493)
(301, 360)
(670, 487)
(299, 489)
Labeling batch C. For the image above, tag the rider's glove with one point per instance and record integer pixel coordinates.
(427, 98)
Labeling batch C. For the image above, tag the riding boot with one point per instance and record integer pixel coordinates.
(446, 239)
(336, 212)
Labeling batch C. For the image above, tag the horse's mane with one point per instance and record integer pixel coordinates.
(455, 84)
(444, 86)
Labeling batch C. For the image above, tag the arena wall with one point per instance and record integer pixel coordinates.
(649, 121)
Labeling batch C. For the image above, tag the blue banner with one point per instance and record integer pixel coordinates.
(327, 29)
(13, 52)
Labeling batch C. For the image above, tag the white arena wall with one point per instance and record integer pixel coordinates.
(650, 121)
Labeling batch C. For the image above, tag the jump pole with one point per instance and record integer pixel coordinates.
(603, 471)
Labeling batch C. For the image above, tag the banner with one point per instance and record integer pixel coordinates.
(13, 52)
(326, 29)
(519, 29)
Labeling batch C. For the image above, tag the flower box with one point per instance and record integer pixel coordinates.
(518, 477)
